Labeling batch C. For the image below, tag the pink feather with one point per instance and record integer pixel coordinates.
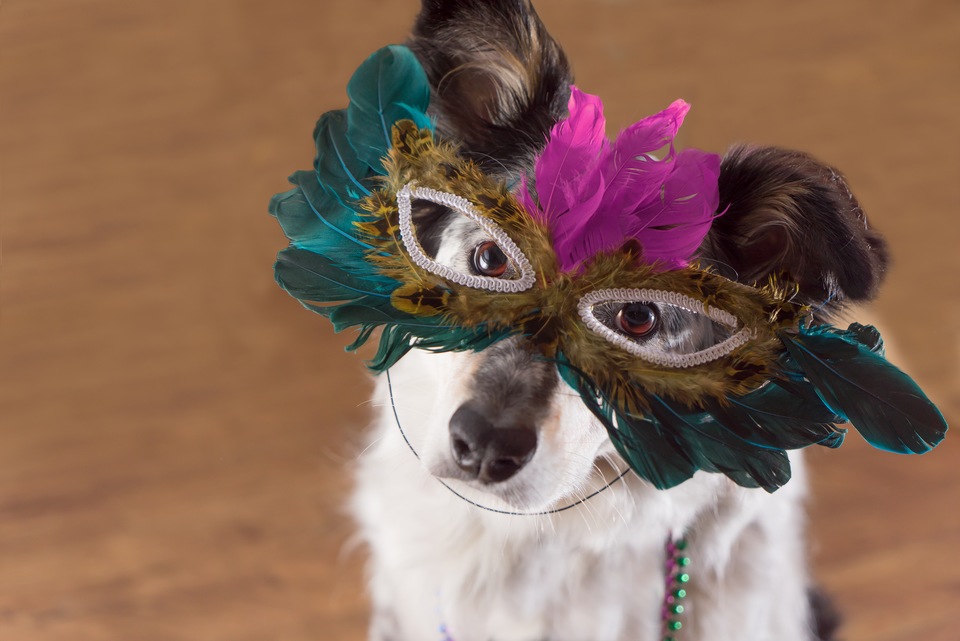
(595, 196)
(635, 172)
(567, 165)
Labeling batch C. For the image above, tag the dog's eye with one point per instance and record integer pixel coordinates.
(638, 320)
(664, 328)
(489, 260)
(496, 263)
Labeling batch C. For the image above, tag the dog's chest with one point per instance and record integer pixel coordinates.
(445, 570)
(558, 590)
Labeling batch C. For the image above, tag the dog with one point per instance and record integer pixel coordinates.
(493, 502)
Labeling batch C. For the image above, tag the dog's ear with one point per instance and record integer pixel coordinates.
(785, 212)
(499, 81)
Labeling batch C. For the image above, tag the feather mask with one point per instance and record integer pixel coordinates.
(588, 252)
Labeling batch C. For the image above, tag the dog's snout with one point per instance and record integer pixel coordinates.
(487, 452)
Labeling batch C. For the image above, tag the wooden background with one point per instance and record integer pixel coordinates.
(176, 434)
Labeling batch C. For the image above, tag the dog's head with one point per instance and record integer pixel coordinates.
(502, 423)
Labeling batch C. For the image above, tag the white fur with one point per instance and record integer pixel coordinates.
(591, 573)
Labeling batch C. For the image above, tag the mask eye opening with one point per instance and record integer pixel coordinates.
(626, 296)
(405, 196)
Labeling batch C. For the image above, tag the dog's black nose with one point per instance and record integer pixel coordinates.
(488, 452)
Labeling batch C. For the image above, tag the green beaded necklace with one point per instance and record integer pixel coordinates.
(675, 590)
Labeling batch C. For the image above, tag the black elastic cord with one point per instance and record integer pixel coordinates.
(393, 406)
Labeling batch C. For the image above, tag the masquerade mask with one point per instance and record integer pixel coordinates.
(590, 259)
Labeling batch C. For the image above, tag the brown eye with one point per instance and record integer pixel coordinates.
(638, 320)
(489, 259)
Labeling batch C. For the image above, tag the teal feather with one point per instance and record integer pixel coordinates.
(326, 267)
(713, 448)
(646, 450)
(827, 376)
(364, 301)
(669, 445)
(315, 277)
(338, 168)
(389, 86)
(794, 383)
(319, 214)
(400, 332)
(774, 417)
(330, 212)
(885, 405)
(369, 312)
(649, 452)
(639, 442)
(313, 219)
(399, 338)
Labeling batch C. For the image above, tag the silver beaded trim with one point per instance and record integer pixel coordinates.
(647, 353)
(461, 205)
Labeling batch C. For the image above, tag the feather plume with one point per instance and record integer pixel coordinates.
(634, 173)
(594, 195)
(328, 267)
(774, 417)
(825, 376)
(672, 226)
(641, 442)
(314, 219)
(885, 405)
(568, 165)
(390, 86)
(309, 276)
(714, 448)
(337, 165)
(669, 444)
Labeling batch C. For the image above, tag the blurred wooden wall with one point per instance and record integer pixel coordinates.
(176, 434)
